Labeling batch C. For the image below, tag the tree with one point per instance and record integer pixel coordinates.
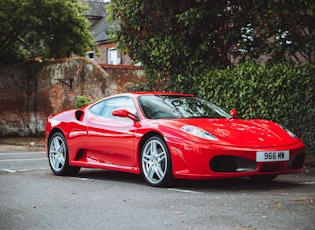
(51, 28)
(181, 39)
(282, 29)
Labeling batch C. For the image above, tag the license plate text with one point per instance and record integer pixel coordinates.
(272, 156)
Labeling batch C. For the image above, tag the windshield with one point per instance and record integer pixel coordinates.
(174, 106)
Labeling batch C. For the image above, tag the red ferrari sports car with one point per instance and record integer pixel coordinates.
(169, 135)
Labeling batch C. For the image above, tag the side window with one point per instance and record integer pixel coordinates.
(97, 108)
(118, 103)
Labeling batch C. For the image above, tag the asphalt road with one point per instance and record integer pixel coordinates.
(31, 197)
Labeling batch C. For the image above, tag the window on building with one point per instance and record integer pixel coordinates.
(90, 55)
(113, 56)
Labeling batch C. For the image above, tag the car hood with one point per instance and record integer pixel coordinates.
(240, 132)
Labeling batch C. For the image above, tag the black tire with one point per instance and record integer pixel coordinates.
(58, 156)
(264, 178)
(156, 164)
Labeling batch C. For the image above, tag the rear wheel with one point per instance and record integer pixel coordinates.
(58, 156)
(156, 162)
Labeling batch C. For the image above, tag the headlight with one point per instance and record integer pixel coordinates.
(288, 131)
(198, 132)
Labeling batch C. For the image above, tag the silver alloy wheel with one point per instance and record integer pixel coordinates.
(57, 154)
(154, 161)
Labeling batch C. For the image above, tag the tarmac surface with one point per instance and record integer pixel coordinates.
(33, 198)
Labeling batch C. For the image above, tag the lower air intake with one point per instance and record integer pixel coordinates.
(232, 164)
(297, 162)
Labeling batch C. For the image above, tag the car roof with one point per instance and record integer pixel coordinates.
(141, 93)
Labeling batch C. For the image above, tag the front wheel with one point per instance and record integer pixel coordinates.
(58, 156)
(156, 162)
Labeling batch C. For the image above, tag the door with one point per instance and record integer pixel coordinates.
(112, 139)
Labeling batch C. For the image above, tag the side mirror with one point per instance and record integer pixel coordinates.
(233, 113)
(125, 113)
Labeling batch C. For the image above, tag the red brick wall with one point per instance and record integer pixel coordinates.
(122, 78)
(30, 92)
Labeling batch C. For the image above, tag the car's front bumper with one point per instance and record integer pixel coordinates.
(191, 160)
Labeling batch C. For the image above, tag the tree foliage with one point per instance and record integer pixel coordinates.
(283, 29)
(181, 38)
(51, 28)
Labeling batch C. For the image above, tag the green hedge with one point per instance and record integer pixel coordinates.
(84, 100)
(81, 101)
(281, 93)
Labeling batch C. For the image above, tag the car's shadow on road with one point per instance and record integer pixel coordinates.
(232, 184)
(235, 184)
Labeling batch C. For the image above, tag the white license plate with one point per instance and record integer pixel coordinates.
(269, 156)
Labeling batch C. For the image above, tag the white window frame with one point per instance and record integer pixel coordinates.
(113, 56)
(90, 55)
